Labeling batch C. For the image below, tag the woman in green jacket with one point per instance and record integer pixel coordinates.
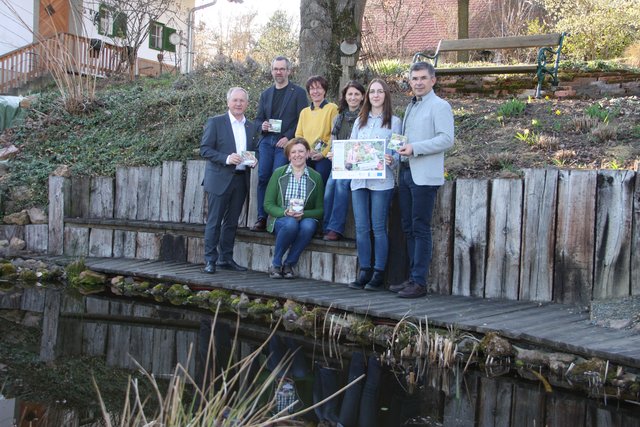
(294, 202)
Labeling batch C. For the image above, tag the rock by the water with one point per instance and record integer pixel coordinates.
(531, 357)
(18, 218)
(8, 152)
(16, 245)
(37, 216)
(62, 170)
(495, 346)
(90, 282)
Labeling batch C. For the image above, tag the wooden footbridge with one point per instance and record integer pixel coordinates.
(557, 327)
(522, 257)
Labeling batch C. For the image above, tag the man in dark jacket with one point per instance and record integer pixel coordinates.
(226, 178)
(277, 118)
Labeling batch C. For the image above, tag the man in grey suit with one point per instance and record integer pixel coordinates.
(428, 126)
(226, 178)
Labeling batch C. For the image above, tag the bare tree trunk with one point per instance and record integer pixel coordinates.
(463, 27)
(324, 24)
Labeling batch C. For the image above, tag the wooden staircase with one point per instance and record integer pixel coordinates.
(75, 54)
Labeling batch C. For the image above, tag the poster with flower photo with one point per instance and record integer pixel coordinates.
(358, 159)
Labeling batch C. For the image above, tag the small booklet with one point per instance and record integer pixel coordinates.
(396, 142)
(319, 145)
(249, 158)
(275, 125)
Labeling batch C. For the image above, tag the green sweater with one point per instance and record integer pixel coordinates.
(277, 188)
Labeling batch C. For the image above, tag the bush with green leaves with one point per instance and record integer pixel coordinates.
(600, 113)
(390, 67)
(511, 108)
(135, 124)
(598, 28)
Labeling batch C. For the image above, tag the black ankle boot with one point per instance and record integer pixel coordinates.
(363, 279)
(376, 283)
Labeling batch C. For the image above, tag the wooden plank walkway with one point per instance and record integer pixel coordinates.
(555, 326)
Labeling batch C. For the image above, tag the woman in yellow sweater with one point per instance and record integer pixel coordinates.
(314, 125)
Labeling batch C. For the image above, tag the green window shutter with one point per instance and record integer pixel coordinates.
(102, 11)
(120, 25)
(166, 44)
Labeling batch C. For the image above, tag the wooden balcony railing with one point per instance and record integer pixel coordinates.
(66, 52)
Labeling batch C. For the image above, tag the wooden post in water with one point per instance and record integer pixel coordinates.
(51, 316)
(148, 193)
(442, 227)
(538, 234)
(505, 226)
(171, 192)
(58, 189)
(193, 205)
(613, 231)
(101, 206)
(635, 237)
(470, 241)
(573, 275)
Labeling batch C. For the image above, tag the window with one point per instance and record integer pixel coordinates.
(159, 37)
(110, 22)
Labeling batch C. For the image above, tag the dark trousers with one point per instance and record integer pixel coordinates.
(271, 158)
(369, 401)
(350, 408)
(214, 351)
(416, 209)
(222, 220)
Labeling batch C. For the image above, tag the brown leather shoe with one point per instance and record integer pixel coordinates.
(413, 291)
(400, 286)
(332, 236)
(260, 225)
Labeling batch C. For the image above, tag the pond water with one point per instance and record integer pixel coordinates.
(103, 331)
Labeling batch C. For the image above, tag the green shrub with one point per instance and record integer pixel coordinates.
(511, 108)
(390, 67)
(141, 123)
(598, 28)
(600, 113)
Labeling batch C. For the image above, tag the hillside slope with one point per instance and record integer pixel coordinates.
(153, 120)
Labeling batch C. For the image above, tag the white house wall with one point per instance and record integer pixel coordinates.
(90, 8)
(13, 33)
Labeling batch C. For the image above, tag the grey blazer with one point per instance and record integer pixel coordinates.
(216, 145)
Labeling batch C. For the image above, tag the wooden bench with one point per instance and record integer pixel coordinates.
(550, 46)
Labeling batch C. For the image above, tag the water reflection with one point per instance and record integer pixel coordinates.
(158, 337)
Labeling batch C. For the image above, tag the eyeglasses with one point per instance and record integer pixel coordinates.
(282, 70)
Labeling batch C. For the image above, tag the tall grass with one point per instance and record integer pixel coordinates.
(232, 397)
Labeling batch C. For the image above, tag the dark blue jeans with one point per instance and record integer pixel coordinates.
(370, 392)
(323, 167)
(416, 209)
(270, 158)
(336, 204)
(279, 349)
(293, 235)
(350, 408)
(371, 209)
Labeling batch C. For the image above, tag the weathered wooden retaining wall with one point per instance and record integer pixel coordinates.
(555, 235)
(159, 213)
(156, 337)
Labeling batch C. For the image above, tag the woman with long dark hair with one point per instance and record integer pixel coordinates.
(371, 197)
(336, 193)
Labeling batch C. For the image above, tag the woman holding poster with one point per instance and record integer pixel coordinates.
(371, 197)
(336, 193)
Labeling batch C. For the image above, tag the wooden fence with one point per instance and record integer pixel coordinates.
(62, 52)
(555, 235)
